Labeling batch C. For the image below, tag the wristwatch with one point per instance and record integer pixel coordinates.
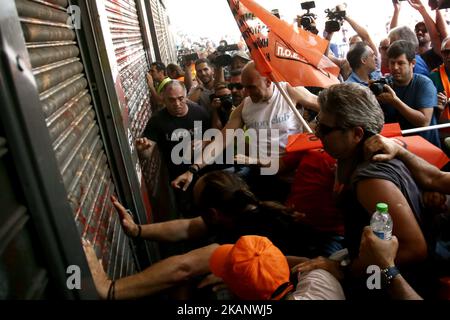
(194, 169)
(388, 274)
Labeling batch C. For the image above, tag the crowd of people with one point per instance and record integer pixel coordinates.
(304, 230)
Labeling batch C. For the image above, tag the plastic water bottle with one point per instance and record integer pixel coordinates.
(381, 222)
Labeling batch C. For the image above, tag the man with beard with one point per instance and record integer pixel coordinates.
(202, 93)
(413, 98)
(432, 59)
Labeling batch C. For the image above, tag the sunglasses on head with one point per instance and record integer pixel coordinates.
(236, 86)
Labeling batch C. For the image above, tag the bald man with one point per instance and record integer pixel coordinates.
(263, 110)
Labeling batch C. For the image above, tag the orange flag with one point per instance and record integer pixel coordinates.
(283, 52)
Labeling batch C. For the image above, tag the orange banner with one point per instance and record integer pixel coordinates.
(416, 144)
(283, 52)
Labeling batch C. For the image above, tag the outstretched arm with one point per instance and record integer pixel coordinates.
(302, 96)
(362, 32)
(162, 275)
(394, 20)
(171, 231)
(426, 175)
(183, 181)
(429, 23)
(441, 25)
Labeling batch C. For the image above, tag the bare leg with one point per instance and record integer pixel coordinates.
(159, 276)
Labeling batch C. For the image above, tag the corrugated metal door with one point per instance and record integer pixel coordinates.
(124, 40)
(160, 29)
(132, 63)
(74, 131)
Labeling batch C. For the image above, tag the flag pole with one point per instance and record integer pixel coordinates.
(421, 129)
(293, 107)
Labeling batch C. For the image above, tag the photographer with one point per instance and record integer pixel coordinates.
(362, 33)
(222, 105)
(413, 98)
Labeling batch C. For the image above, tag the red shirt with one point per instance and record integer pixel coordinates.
(312, 190)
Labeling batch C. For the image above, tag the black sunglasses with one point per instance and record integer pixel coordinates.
(237, 86)
(322, 129)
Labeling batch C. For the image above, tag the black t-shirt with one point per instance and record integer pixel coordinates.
(355, 215)
(291, 237)
(169, 131)
(432, 59)
(356, 218)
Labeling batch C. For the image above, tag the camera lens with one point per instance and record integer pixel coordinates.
(226, 101)
(377, 88)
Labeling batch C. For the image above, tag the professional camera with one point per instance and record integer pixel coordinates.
(186, 55)
(335, 20)
(308, 20)
(221, 58)
(226, 101)
(439, 4)
(377, 87)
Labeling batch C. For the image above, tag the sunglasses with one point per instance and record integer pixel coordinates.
(236, 86)
(322, 129)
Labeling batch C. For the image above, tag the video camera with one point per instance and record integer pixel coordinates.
(308, 20)
(377, 87)
(439, 4)
(335, 20)
(186, 55)
(222, 59)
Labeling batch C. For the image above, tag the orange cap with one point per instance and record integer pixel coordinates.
(253, 268)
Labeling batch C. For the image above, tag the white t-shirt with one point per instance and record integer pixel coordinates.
(318, 284)
(272, 114)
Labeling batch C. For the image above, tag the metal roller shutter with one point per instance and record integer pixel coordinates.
(74, 131)
(128, 45)
(124, 30)
(159, 23)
